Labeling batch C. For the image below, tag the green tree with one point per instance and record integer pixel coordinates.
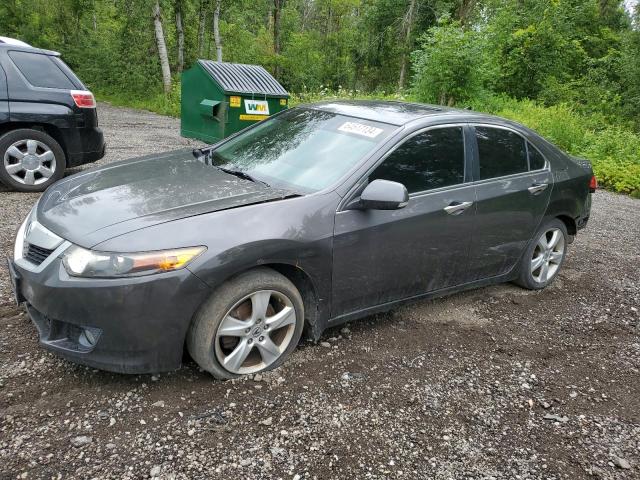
(447, 66)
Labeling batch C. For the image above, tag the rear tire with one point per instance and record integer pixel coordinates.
(250, 324)
(30, 160)
(544, 257)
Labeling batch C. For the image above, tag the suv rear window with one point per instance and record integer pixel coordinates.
(41, 70)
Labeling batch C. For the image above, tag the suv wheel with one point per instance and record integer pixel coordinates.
(30, 160)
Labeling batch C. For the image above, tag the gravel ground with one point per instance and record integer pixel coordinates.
(494, 383)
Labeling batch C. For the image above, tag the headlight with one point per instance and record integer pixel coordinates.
(81, 262)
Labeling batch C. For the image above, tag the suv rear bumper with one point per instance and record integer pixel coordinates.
(83, 145)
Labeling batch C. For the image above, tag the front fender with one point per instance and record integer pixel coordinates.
(297, 232)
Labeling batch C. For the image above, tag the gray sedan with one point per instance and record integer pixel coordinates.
(317, 216)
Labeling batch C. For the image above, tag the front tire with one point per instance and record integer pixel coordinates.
(543, 259)
(250, 324)
(30, 160)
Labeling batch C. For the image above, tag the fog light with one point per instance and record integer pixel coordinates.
(89, 337)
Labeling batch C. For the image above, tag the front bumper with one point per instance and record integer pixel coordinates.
(138, 323)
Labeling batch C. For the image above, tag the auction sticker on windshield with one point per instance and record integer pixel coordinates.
(360, 129)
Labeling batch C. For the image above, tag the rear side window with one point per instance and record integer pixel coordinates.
(536, 160)
(41, 70)
(502, 152)
(432, 159)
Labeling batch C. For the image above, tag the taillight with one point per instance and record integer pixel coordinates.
(593, 184)
(83, 98)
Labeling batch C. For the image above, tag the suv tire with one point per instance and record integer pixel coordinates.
(30, 160)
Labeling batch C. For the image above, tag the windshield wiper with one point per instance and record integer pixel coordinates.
(241, 174)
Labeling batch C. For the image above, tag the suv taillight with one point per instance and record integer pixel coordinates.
(83, 98)
(593, 184)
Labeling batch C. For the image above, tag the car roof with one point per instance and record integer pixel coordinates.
(7, 43)
(395, 113)
(402, 113)
(13, 41)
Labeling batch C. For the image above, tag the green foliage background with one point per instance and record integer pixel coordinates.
(568, 68)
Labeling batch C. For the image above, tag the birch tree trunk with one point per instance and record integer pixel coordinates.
(465, 10)
(180, 34)
(216, 31)
(202, 18)
(407, 25)
(162, 48)
(277, 13)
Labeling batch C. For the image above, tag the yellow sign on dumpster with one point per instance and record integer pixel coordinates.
(253, 118)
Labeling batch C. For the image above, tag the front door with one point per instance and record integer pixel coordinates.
(513, 191)
(383, 256)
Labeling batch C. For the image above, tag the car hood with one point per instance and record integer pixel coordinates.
(105, 202)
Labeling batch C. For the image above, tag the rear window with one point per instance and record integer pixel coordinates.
(502, 152)
(41, 70)
(536, 160)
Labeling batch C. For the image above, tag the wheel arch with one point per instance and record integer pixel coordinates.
(569, 222)
(303, 283)
(47, 128)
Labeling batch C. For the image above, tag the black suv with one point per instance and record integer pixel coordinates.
(48, 118)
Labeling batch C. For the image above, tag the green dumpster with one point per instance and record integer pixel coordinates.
(219, 99)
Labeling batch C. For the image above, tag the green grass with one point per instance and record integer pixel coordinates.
(163, 104)
(614, 150)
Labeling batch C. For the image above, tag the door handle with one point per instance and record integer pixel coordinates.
(537, 188)
(456, 208)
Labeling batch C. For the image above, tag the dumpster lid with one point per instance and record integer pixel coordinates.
(241, 78)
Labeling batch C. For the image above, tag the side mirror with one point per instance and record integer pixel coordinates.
(383, 195)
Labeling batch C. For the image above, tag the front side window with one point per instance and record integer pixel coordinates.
(502, 152)
(41, 70)
(302, 149)
(431, 159)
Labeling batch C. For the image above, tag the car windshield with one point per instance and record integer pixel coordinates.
(302, 149)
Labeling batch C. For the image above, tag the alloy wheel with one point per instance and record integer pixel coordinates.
(547, 255)
(255, 332)
(30, 162)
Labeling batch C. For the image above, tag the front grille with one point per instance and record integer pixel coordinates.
(37, 255)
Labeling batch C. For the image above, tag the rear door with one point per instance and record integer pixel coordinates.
(513, 189)
(384, 256)
(4, 97)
